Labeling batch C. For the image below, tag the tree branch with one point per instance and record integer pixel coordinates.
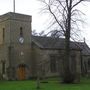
(56, 19)
(77, 3)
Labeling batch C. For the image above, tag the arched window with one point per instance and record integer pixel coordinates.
(21, 32)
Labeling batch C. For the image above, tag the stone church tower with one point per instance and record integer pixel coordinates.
(15, 46)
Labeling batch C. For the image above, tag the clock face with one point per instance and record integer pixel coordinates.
(21, 40)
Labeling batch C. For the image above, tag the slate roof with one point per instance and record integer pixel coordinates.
(84, 47)
(59, 43)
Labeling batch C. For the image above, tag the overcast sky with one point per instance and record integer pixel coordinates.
(32, 7)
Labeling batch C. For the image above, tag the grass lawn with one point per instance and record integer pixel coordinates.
(51, 85)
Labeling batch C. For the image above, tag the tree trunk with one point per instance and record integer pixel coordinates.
(68, 77)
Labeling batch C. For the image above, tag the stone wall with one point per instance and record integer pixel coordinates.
(11, 50)
(85, 65)
(42, 57)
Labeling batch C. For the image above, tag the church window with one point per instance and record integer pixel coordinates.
(3, 66)
(89, 63)
(21, 32)
(53, 63)
(73, 63)
(3, 34)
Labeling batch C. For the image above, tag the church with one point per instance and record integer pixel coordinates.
(22, 55)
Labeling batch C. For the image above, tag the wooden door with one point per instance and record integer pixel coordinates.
(21, 72)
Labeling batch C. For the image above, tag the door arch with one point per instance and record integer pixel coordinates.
(21, 72)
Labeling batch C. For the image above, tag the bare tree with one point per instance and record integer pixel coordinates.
(55, 34)
(65, 16)
(42, 33)
(34, 33)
